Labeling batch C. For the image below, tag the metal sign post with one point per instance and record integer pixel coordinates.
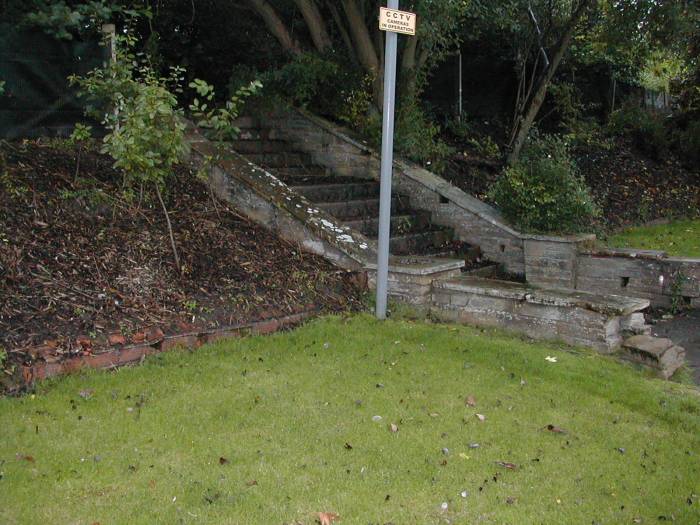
(393, 22)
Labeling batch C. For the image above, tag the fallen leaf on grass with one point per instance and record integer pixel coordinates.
(223, 461)
(327, 518)
(470, 401)
(480, 417)
(348, 446)
(551, 359)
(86, 394)
(252, 483)
(25, 457)
(393, 428)
(505, 464)
(555, 429)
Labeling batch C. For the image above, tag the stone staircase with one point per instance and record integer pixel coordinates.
(353, 201)
(334, 213)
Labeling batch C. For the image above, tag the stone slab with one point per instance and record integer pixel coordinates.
(654, 346)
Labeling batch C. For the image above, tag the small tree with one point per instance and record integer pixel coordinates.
(146, 129)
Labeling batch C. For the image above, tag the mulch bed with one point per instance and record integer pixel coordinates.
(630, 187)
(81, 267)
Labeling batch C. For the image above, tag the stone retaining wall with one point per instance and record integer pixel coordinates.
(551, 262)
(577, 318)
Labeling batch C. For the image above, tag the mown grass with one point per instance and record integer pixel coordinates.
(680, 238)
(271, 430)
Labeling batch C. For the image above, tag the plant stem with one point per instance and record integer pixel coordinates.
(170, 230)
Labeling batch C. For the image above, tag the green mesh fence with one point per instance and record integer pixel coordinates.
(38, 100)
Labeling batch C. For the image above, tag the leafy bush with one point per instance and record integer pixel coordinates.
(543, 192)
(310, 78)
(644, 127)
(416, 136)
(146, 132)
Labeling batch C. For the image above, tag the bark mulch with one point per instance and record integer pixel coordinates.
(80, 263)
(629, 187)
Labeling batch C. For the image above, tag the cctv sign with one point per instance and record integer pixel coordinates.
(397, 21)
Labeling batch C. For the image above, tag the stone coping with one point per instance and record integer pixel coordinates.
(606, 304)
(632, 253)
(272, 189)
(417, 265)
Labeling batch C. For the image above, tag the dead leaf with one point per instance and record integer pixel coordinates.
(348, 446)
(87, 393)
(252, 483)
(481, 417)
(394, 428)
(504, 464)
(510, 500)
(327, 518)
(470, 401)
(25, 457)
(223, 461)
(555, 429)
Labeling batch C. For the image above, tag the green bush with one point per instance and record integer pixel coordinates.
(646, 129)
(311, 79)
(543, 191)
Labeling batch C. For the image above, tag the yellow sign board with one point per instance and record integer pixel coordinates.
(397, 21)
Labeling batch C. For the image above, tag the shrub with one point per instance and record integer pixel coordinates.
(543, 192)
(311, 79)
(646, 129)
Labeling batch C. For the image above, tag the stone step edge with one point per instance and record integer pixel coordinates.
(657, 352)
(613, 305)
(123, 355)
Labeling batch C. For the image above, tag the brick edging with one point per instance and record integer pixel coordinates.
(49, 366)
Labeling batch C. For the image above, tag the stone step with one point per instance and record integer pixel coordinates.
(245, 147)
(578, 318)
(656, 352)
(338, 192)
(279, 160)
(400, 224)
(309, 171)
(358, 209)
(256, 133)
(423, 243)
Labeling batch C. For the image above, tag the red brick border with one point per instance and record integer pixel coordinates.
(46, 363)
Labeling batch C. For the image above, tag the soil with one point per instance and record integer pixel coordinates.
(630, 187)
(78, 260)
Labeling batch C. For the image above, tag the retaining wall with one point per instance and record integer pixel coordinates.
(547, 261)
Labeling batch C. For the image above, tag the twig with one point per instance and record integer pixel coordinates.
(170, 230)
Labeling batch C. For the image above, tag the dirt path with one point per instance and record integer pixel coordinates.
(684, 330)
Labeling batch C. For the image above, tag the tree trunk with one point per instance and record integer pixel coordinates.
(530, 110)
(275, 25)
(366, 53)
(315, 23)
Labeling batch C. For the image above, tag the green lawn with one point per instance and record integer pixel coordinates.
(681, 238)
(271, 430)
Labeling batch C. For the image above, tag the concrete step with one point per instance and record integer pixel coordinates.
(279, 160)
(656, 352)
(355, 210)
(338, 192)
(578, 318)
(257, 133)
(422, 243)
(400, 224)
(248, 146)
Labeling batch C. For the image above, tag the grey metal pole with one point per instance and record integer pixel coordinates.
(387, 166)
